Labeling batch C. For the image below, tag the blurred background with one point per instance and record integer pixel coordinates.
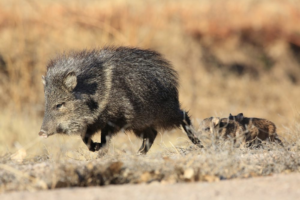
(232, 56)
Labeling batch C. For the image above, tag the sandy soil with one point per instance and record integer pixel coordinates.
(283, 186)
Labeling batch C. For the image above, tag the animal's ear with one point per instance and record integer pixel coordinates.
(240, 117)
(43, 80)
(70, 81)
(231, 117)
(215, 121)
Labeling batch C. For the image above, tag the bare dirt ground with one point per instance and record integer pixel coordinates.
(283, 186)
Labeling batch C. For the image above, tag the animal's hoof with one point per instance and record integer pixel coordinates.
(95, 146)
(140, 153)
(92, 149)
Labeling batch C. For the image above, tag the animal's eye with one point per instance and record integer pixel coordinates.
(207, 129)
(58, 106)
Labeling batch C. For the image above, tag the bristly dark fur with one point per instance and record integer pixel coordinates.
(112, 89)
(257, 130)
(223, 128)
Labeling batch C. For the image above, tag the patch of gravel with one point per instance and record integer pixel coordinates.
(277, 187)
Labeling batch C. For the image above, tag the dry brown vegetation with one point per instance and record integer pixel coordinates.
(232, 56)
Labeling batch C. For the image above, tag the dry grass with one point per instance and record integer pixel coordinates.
(170, 165)
(232, 56)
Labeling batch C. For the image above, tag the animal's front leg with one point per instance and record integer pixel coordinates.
(106, 134)
(87, 139)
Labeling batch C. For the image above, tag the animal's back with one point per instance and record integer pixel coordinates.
(146, 86)
(265, 128)
(257, 128)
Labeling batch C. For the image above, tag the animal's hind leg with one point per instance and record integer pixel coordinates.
(148, 135)
(275, 138)
(188, 128)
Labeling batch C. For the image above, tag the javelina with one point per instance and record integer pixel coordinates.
(223, 128)
(257, 129)
(109, 90)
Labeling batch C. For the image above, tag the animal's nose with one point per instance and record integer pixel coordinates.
(43, 133)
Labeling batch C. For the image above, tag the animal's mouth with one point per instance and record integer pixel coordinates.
(44, 134)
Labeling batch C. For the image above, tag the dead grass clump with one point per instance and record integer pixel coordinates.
(65, 161)
(218, 161)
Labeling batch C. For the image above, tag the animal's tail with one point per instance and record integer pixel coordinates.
(189, 129)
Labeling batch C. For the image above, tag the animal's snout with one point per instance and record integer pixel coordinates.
(43, 133)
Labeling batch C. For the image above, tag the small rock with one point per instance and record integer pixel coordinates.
(188, 173)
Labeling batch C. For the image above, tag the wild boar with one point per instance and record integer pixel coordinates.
(223, 128)
(109, 90)
(257, 129)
